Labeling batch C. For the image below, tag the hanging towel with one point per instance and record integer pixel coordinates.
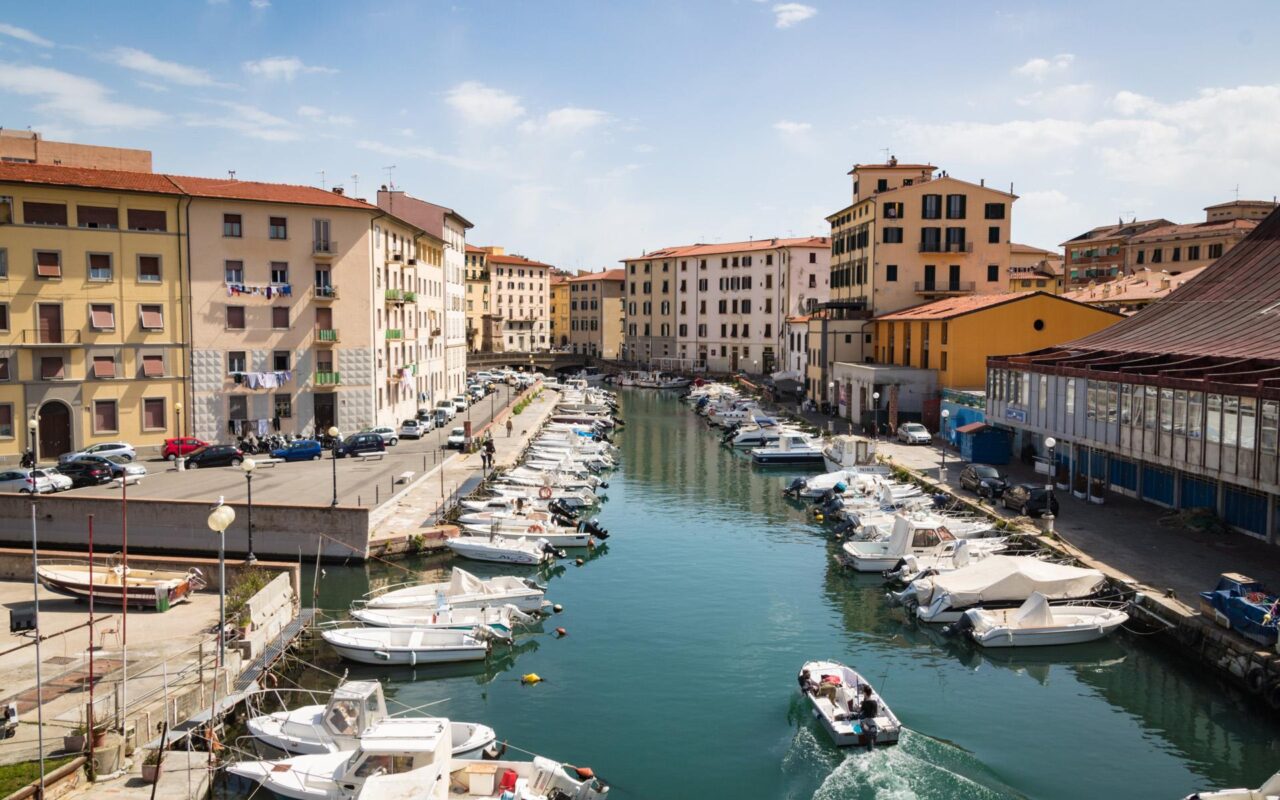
(262, 427)
(251, 378)
(238, 377)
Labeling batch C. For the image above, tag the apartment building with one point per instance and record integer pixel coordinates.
(522, 302)
(595, 313)
(479, 314)
(722, 307)
(1034, 269)
(559, 313)
(92, 323)
(29, 147)
(1129, 293)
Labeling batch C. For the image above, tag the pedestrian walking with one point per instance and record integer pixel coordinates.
(509, 427)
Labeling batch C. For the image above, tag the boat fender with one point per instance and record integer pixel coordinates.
(817, 516)
(579, 562)
(1255, 679)
(561, 632)
(584, 773)
(531, 679)
(1273, 695)
(557, 608)
(545, 493)
(494, 752)
(383, 654)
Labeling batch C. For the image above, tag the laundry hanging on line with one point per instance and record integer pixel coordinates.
(274, 290)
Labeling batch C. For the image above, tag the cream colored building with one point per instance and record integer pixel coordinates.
(29, 147)
(478, 299)
(595, 313)
(650, 291)
(521, 290)
(1034, 269)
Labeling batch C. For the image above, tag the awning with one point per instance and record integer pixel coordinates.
(104, 367)
(152, 318)
(153, 366)
(51, 367)
(972, 427)
(102, 317)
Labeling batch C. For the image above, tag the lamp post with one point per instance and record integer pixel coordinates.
(334, 434)
(33, 438)
(248, 466)
(875, 401)
(220, 518)
(943, 473)
(1050, 443)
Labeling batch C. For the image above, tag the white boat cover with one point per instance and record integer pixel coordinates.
(1014, 578)
(1034, 613)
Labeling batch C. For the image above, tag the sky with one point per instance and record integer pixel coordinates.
(581, 132)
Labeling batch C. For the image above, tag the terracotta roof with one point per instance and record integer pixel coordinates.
(1119, 230)
(607, 275)
(1195, 229)
(929, 183)
(159, 183)
(1139, 287)
(972, 427)
(753, 245)
(799, 318)
(951, 307)
(519, 261)
(471, 248)
(421, 213)
(1026, 248)
(1246, 203)
(895, 165)
(557, 279)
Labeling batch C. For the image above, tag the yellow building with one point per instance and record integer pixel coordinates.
(477, 297)
(559, 310)
(92, 264)
(596, 314)
(1034, 269)
(955, 336)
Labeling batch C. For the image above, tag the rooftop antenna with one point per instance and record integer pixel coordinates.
(391, 183)
(322, 183)
(231, 173)
(1237, 193)
(355, 186)
(885, 150)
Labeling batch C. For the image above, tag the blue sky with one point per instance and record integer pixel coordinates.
(583, 132)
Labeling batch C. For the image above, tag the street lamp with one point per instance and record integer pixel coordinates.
(1051, 443)
(943, 473)
(220, 518)
(248, 466)
(334, 434)
(875, 401)
(33, 440)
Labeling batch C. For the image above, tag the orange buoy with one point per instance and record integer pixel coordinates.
(561, 632)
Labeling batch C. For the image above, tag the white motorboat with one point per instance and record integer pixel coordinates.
(462, 590)
(397, 759)
(848, 451)
(996, 582)
(555, 535)
(868, 481)
(1037, 623)
(502, 549)
(921, 536)
(353, 708)
(501, 621)
(948, 557)
(848, 707)
(412, 646)
(518, 514)
(1267, 791)
(791, 448)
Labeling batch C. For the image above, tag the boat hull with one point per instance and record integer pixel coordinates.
(158, 596)
(500, 555)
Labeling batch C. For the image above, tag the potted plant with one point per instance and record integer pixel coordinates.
(75, 741)
(151, 765)
(99, 733)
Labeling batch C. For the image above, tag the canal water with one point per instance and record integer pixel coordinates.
(677, 677)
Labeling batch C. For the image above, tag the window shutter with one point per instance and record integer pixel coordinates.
(102, 317)
(51, 367)
(104, 367)
(48, 265)
(152, 318)
(153, 366)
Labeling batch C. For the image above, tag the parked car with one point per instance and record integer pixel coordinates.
(85, 473)
(299, 450)
(476, 393)
(358, 444)
(1029, 500)
(23, 481)
(216, 455)
(983, 480)
(119, 465)
(181, 447)
(387, 433)
(457, 439)
(443, 416)
(60, 482)
(104, 449)
(461, 403)
(448, 407)
(914, 433)
(412, 429)
(427, 418)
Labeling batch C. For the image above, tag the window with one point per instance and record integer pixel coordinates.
(931, 206)
(1213, 419)
(6, 420)
(1215, 251)
(956, 206)
(104, 416)
(1150, 407)
(1166, 410)
(1270, 409)
(237, 407)
(283, 406)
(813, 281)
(893, 235)
(1142, 256)
(1195, 412)
(891, 272)
(993, 272)
(993, 211)
(1177, 254)
(44, 213)
(4, 316)
(1230, 420)
(882, 185)
(234, 271)
(51, 368)
(152, 317)
(1248, 422)
(102, 316)
(104, 367)
(280, 360)
(813, 258)
(97, 217)
(1071, 394)
(1193, 252)
(235, 318)
(278, 228)
(4, 263)
(99, 266)
(140, 219)
(1157, 255)
(48, 264)
(231, 226)
(236, 361)
(280, 317)
(893, 210)
(993, 234)
(149, 269)
(153, 415)
(279, 273)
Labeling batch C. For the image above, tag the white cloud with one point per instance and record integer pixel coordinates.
(644, 148)
(320, 115)
(171, 71)
(790, 128)
(284, 68)
(427, 153)
(483, 105)
(73, 97)
(260, 4)
(249, 121)
(24, 35)
(1038, 69)
(788, 14)
(403, 131)
(1070, 99)
(566, 121)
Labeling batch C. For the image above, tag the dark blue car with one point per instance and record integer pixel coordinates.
(301, 450)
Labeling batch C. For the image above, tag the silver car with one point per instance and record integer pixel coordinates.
(23, 481)
(914, 433)
(105, 449)
(60, 482)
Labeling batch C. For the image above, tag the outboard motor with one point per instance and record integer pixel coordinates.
(793, 488)
(562, 520)
(959, 627)
(547, 548)
(593, 527)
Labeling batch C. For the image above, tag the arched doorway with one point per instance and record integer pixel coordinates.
(55, 430)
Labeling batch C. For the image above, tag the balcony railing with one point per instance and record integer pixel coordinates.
(57, 337)
(946, 247)
(411, 297)
(326, 334)
(944, 287)
(325, 292)
(395, 333)
(324, 247)
(328, 378)
(395, 295)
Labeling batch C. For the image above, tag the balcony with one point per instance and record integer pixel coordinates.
(946, 247)
(324, 378)
(411, 297)
(324, 248)
(395, 333)
(327, 336)
(936, 288)
(325, 293)
(58, 337)
(396, 295)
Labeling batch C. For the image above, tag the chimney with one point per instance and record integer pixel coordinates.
(1164, 283)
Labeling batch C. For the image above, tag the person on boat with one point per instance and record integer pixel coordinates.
(806, 683)
(869, 709)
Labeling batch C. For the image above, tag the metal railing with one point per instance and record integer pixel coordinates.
(325, 292)
(940, 287)
(327, 378)
(395, 333)
(324, 247)
(326, 334)
(945, 247)
(57, 336)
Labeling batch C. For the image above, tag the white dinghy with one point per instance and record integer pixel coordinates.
(914, 536)
(1036, 623)
(503, 550)
(411, 646)
(353, 708)
(848, 707)
(462, 590)
(501, 620)
(1267, 791)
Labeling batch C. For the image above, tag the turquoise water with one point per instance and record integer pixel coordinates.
(677, 676)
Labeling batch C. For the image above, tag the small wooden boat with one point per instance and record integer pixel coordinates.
(412, 646)
(850, 710)
(114, 585)
(1036, 623)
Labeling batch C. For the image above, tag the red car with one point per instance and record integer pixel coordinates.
(181, 447)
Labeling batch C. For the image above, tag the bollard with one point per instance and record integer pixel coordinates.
(424, 462)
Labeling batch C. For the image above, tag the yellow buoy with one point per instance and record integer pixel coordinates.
(531, 678)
